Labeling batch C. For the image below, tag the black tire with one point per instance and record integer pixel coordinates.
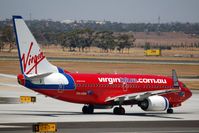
(85, 110)
(116, 110)
(122, 111)
(170, 111)
(119, 111)
(90, 109)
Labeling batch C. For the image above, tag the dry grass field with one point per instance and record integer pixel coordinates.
(165, 38)
(154, 38)
(191, 54)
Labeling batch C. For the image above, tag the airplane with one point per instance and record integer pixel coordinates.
(95, 91)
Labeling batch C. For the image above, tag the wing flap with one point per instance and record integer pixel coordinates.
(140, 96)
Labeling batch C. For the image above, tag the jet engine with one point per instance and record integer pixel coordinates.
(154, 103)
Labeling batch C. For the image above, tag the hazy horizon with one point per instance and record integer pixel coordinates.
(125, 11)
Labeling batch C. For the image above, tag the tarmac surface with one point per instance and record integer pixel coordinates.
(15, 117)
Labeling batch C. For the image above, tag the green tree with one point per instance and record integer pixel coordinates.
(71, 40)
(124, 41)
(105, 41)
(62, 41)
(85, 38)
(7, 37)
(1, 45)
(130, 42)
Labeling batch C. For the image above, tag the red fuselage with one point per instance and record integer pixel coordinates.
(96, 88)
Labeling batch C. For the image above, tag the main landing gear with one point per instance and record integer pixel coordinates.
(119, 110)
(170, 111)
(88, 109)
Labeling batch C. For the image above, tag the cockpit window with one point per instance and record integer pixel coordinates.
(181, 93)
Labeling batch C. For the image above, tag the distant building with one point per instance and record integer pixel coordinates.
(69, 21)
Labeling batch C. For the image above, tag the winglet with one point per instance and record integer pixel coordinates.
(175, 79)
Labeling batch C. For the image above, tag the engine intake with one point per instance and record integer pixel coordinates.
(154, 103)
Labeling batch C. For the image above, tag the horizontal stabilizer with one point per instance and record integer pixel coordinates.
(38, 76)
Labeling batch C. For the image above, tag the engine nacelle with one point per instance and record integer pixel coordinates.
(154, 103)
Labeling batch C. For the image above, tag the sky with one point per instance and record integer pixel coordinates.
(126, 11)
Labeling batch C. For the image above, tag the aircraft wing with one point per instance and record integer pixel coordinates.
(143, 95)
(139, 96)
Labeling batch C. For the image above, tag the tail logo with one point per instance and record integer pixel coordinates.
(31, 62)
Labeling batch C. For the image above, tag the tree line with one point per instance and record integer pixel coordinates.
(105, 40)
(48, 26)
(108, 36)
(76, 39)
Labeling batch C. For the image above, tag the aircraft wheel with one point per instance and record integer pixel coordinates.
(85, 109)
(170, 111)
(116, 110)
(122, 111)
(119, 111)
(88, 109)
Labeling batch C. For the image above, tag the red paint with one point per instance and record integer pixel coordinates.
(21, 79)
(31, 60)
(102, 90)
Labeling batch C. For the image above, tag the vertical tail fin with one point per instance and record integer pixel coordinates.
(32, 60)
